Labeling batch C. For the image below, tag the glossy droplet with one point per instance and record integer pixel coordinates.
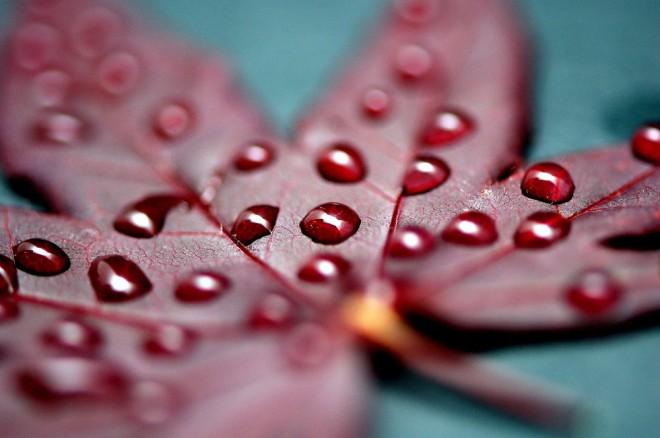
(424, 174)
(594, 292)
(173, 120)
(63, 379)
(322, 268)
(50, 88)
(541, 229)
(152, 402)
(40, 257)
(445, 127)
(410, 241)
(168, 340)
(471, 228)
(9, 310)
(116, 279)
(646, 143)
(35, 45)
(8, 276)
(57, 127)
(330, 223)
(341, 163)
(548, 182)
(253, 156)
(72, 335)
(94, 31)
(413, 63)
(201, 286)
(307, 345)
(272, 312)
(118, 73)
(146, 218)
(254, 223)
(376, 103)
(416, 11)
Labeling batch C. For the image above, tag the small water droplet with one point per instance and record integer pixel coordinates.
(254, 223)
(117, 279)
(94, 30)
(72, 335)
(307, 345)
(168, 341)
(424, 174)
(272, 312)
(322, 268)
(173, 120)
(9, 310)
(646, 143)
(152, 402)
(471, 228)
(416, 11)
(410, 241)
(51, 87)
(201, 286)
(118, 73)
(58, 127)
(40, 257)
(8, 276)
(146, 218)
(376, 103)
(330, 223)
(413, 63)
(253, 155)
(444, 127)
(548, 182)
(594, 292)
(341, 163)
(35, 45)
(541, 229)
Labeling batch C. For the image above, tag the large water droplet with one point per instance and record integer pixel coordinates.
(168, 340)
(40, 257)
(330, 223)
(424, 174)
(646, 143)
(58, 127)
(253, 155)
(541, 229)
(119, 73)
(413, 63)
(272, 312)
(8, 276)
(594, 292)
(376, 103)
(35, 45)
(410, 241)
(50, 88)
(471, 228)
(72, 335)
(94, 30)
(146, 218)
(201, 286)
(152, 402)
(172, 120)
(117, 279)
(445, 127)
(341, 163)
(254, 223)
(322, 268)
(548, 182)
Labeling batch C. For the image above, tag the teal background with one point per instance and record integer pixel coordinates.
(598, 75)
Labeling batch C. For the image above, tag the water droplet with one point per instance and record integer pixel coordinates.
(152, 402)
(51, 87)
(445, 127)
(254, 223)
(541, 229)
(376, 103)
(58, 127)
(594, 292)
(146, 218)
(253, 155)
(94, 30)
(8, 310)
(416, 11)
(413, 63)
(322, 268)
(646, 143)
(272, 312)
(330, 223)
(118, 73)
(117, 279)
(424, 174)
(40, 257)
(72, 335)
(201, 286)
(62, 379)
(471, 228)
(548, 182)
(173, 120)
(341, 163)
(168, 340)
(410, 241)
(35, 45)
(8, 276)
(307, 345)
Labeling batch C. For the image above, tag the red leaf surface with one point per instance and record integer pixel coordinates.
(196, 243)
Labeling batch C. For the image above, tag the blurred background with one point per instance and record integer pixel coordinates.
(597, 76)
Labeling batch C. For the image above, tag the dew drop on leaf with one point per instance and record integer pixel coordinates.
(115, 278)
(424, 174)
(40, 257)
(323, 267)
(253, 155)
(173, 120)
(646, 143)
(410, 241)
(118, 73)
(8, 276)
(413, 63)
(94, 31)
(271, 312)
(59, 127)
(416, 11)
(168, 341)
(541, 229)
(50, 87)
(471, 228)
(71, 335)
(376, 103)
(254, 223)
(445, 127)
(341, 163)
(548, 182)
(146, 218)
(35, 45)
(593, 292)
(330, 223)
(201, 286)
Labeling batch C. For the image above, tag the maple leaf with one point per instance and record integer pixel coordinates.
(201, 270)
